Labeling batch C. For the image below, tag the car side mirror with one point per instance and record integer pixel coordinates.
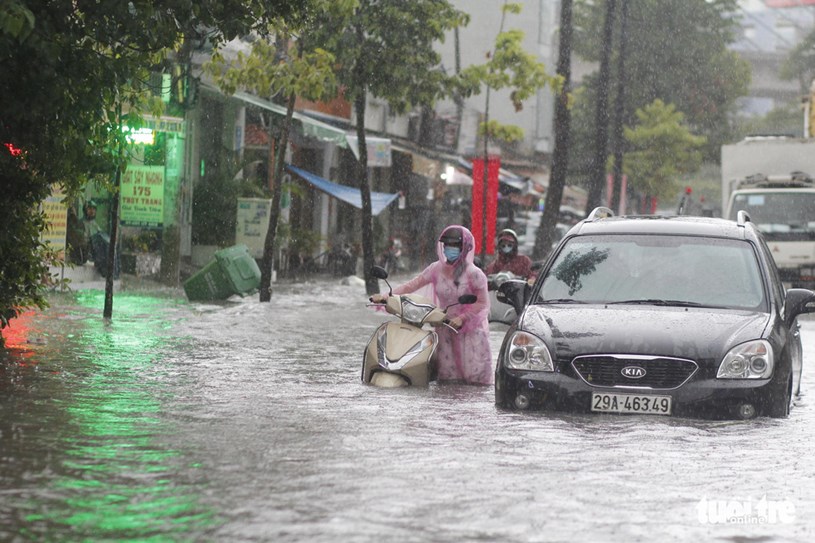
(798, 301)
(514, 292)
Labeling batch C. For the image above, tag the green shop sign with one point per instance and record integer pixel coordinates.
(142, 196)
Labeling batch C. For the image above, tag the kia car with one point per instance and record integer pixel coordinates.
(675, 316)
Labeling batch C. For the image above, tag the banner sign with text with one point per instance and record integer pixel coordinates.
(379, 150)
(482, 214)
(142, 196)
(252, 224)
(56, 219)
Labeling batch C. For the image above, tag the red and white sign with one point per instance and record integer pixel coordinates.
(480, 215)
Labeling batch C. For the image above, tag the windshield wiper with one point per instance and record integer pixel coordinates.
(657, 301)
(562, 301)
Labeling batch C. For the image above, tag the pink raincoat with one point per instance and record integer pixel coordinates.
(464, 356)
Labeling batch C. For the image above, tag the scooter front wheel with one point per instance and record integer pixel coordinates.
(388, 380)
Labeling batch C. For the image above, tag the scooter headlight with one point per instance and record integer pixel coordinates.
(427, 342)
(751, 360)
(414, 313)
(528, 352)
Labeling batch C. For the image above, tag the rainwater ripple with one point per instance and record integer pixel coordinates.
(242, 421)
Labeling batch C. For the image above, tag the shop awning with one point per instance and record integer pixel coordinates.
(349, 195)
(311, 127)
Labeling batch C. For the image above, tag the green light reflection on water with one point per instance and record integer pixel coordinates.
(117, 483)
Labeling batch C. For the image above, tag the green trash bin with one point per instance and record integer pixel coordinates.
(233, 271)
(241, 269)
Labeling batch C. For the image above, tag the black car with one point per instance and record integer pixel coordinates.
(681, 316)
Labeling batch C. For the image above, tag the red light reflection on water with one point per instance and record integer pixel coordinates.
(17, 336)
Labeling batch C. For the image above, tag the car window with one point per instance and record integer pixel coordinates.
(776, 284)
(623, 268)
(777, 212)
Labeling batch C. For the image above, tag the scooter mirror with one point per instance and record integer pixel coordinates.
(379, 272)
(467, 299)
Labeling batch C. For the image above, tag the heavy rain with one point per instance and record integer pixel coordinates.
(244, 421)
(197, 198)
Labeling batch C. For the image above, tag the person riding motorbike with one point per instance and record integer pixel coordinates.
(391, 256)
(508, 259)
(463, 356)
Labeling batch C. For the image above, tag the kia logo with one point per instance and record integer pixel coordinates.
(633, 372)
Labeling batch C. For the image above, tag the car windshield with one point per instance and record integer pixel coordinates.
(778, 212)
(655, 269)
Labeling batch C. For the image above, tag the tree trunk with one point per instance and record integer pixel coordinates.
(114, 234)
(107, 311)
(560, 155)
(282, 142)
(619, 113)
(601, 125)
(371, 283)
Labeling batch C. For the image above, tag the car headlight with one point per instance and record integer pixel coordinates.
(414, 313)
(751, 360)
(528, 352)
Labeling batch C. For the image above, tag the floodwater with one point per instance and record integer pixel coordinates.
(247, 422)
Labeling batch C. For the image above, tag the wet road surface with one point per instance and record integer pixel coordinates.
(244, 421)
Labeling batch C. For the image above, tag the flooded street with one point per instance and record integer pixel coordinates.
(244, 421)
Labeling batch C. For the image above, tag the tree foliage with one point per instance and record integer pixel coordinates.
(786, 119)
(509, 66)
(66, 65)
(800, 63)
(284, 68)
(386, 48)
(661, 149)
(677, 52)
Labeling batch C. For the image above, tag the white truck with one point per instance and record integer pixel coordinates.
(771, 179)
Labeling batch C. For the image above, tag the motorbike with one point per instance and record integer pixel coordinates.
(391, 258)
(499, 310)
(401, 353)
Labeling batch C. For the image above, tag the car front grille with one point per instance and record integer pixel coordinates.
(643, 372)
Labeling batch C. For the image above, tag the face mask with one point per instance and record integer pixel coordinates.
(452, 253)
(506, 249)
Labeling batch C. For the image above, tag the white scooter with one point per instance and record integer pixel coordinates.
(400, 353)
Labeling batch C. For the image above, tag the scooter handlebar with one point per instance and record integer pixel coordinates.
(446, 322)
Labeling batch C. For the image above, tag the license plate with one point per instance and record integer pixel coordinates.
(630, 403)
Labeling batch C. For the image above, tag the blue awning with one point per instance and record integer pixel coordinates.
(349, 195)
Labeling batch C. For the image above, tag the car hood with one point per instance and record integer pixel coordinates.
(693, 333)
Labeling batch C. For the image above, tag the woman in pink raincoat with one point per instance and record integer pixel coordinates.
(463, 356)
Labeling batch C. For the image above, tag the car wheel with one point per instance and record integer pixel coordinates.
(778, 404)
